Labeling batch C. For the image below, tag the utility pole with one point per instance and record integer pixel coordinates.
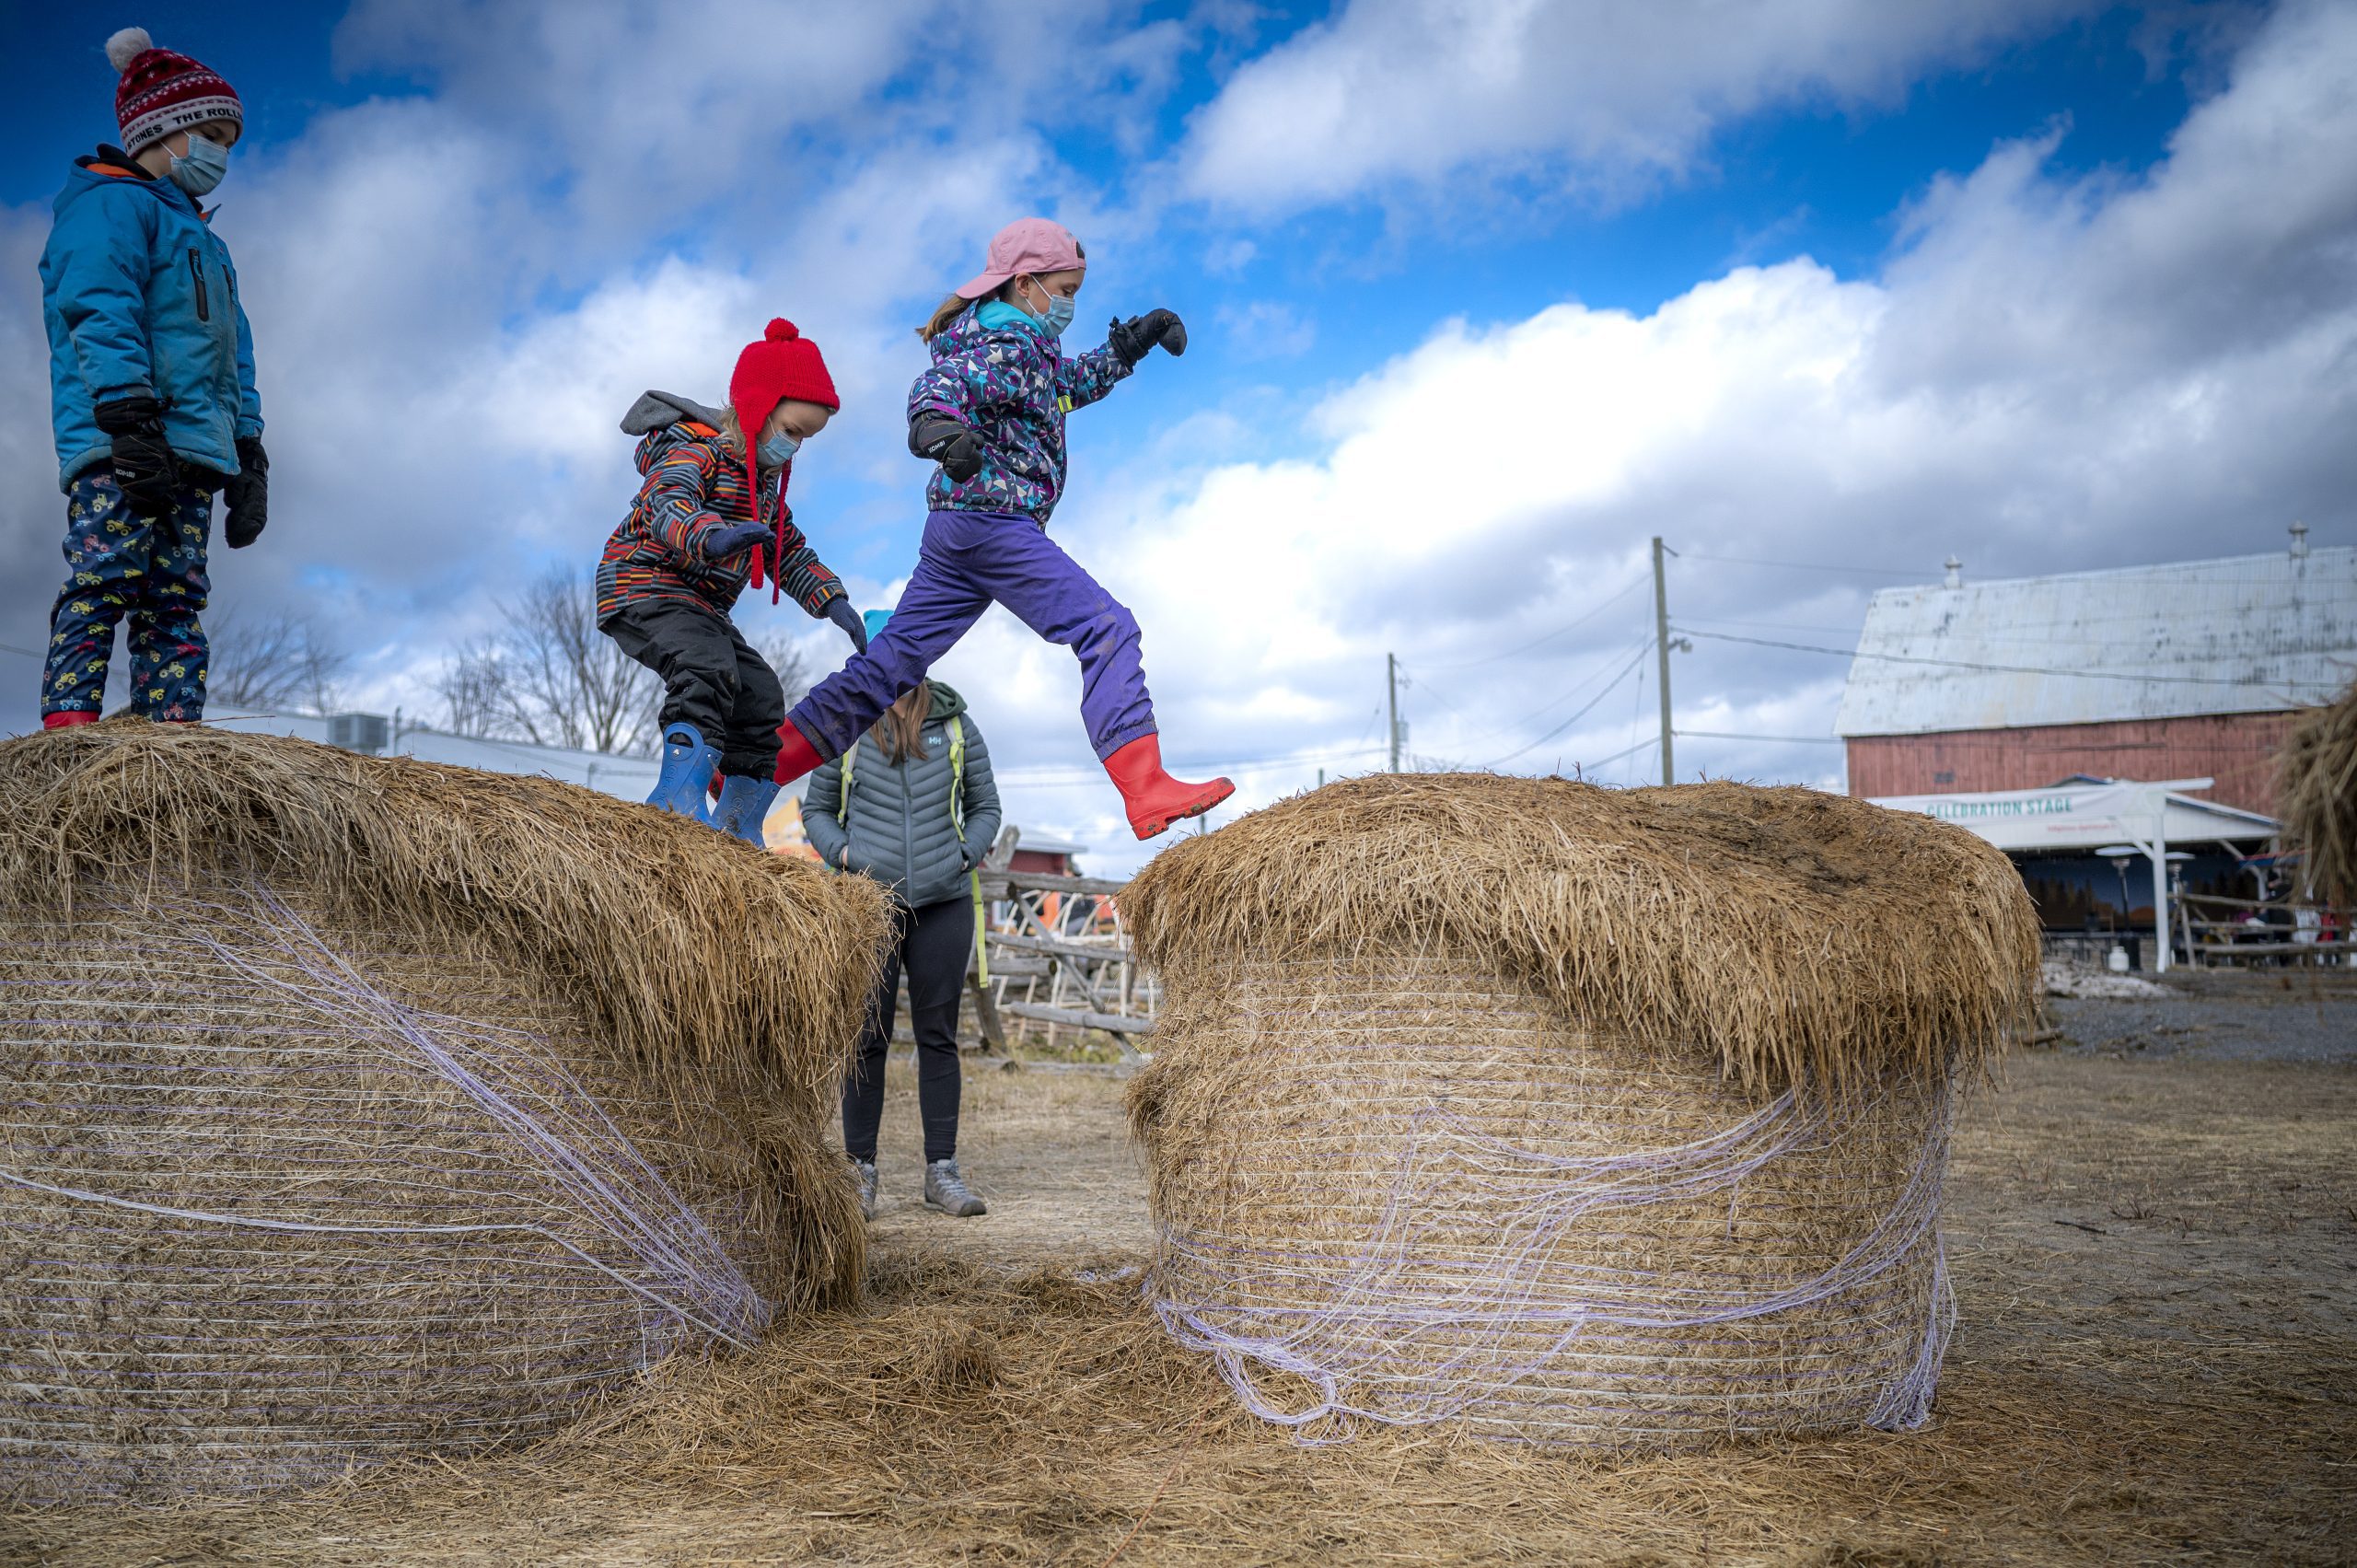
(1391, 678)
(1661, 647)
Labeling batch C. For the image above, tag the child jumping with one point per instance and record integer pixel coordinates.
(151, 371)
(990, 413)
(710, 515)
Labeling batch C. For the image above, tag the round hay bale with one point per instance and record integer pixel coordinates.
(352, 1108)
(2315, 780)
(1581, 1118)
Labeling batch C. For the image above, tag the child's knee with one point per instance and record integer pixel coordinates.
(1114, 626)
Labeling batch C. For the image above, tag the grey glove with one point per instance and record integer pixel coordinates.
(958, 449)
(839, 611)
(731, 539)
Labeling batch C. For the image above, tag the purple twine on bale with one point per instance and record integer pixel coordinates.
(1449, 1324)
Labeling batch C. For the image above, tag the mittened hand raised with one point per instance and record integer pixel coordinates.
(839, 611)
(948, 443)
(729, 538)
(1130, 340)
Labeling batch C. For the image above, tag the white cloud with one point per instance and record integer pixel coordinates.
(2054, 374)
(1605, 95)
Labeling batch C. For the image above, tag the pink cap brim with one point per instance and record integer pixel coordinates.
(982, 284)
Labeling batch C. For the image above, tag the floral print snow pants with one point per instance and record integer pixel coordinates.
(150, 569)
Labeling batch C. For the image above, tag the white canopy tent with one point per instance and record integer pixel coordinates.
(2096, 816)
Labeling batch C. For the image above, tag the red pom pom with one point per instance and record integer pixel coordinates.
(779, 330)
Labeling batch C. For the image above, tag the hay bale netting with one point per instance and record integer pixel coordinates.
(1581, 1117)
(2315, 780)
(354, 1107)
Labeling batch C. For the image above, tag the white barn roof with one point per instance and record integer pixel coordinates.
(2249, 633)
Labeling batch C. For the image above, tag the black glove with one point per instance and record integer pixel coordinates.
(839, 611)
(1129, 340)
(729, 538)
(948, 443)
(248, 495)
(144, 466)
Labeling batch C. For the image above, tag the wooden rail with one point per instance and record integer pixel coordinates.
(1079, 1018)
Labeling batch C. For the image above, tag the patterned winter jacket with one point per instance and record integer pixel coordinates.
(1013, 387)
(693, 486)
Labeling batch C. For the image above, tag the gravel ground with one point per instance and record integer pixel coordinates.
(2219, 1015)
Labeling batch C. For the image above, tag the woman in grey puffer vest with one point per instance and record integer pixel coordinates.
(921, 813)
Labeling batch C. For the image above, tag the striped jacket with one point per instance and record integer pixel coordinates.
(694, 486)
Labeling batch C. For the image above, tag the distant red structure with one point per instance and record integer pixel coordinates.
(1046, 858)
(2183, 669)
(2236, 750)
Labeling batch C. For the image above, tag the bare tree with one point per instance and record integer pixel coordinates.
(793, 669)
(271, 661)
(549, 676)
(474, 691)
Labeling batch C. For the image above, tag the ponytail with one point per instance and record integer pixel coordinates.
(949, 310)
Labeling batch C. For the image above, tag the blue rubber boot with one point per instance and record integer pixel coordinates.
(744, 805)
(688, 765)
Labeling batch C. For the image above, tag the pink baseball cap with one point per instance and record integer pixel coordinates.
(1027, 245)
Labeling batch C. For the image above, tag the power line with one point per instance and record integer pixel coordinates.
(1592, 611)
(2010, 669)
(1648, 744)
(1801, 565)
(1047, 776)
(1582, 711)
(1783, 739)
(1570, 694)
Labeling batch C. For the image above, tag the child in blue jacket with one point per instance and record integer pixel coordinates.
(151, 389)
(990, 413)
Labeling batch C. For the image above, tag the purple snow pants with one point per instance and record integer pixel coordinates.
(968, 560)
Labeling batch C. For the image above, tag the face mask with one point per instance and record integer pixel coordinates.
(777, 449)
(200, 169)
(1059, 316)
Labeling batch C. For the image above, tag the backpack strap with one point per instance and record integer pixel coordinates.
(957, 774)
(958, 820)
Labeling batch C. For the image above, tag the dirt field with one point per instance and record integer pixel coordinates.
(2153, 1228)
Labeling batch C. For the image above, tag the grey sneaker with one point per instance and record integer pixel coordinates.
(947, 1190)
(865, 1170)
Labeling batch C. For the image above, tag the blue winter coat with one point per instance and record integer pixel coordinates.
(1012, 386)
(139, 296)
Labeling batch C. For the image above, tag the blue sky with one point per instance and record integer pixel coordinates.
(1480, 298)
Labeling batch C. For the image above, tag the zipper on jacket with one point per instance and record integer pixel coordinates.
(196, 276)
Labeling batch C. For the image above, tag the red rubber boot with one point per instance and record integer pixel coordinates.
(795, 756)
(68, 719)
(1155, 800)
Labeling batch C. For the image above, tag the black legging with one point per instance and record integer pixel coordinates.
(932, 943)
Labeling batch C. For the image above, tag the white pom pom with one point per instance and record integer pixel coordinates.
(126, 46)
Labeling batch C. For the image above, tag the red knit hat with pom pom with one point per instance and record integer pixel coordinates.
(163, 93)
(784, 365)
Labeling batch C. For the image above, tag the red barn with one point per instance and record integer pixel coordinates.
(2190, 669)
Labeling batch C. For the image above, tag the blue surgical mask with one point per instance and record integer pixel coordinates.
(778, 450)
(200, 169)
(1059, 316)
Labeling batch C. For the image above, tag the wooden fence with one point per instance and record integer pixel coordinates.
(2212, 929)
(1060, 964)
